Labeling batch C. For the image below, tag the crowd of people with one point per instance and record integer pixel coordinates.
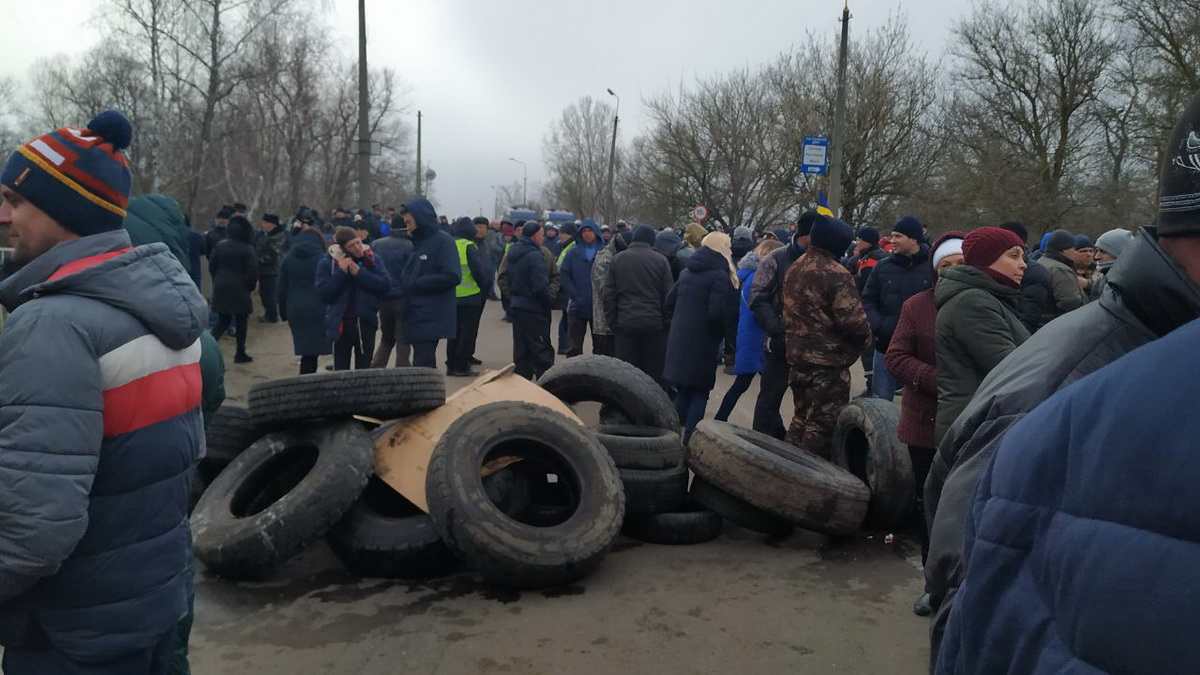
(1044, 417)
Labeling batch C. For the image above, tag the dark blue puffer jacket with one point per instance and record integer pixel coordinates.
(895, 279)
(342, 292)
(577, 272)
(430, 276)
(1081, 544)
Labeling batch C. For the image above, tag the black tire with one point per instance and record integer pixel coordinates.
(500, 546)
(691, 524)
(228, 434)
(385, 535)
(283, 492)
(615, 384)
(737, 511)
(635, 447)
(865, 444)
(779, 478)
(650, 491)
(384, 393)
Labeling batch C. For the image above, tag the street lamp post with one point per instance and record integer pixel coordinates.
(612, 162)
(524, 182)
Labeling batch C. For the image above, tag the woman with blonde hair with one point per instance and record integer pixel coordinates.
(749, 359)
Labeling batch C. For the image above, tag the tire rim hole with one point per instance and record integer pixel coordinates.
(551, 491)
(858, 452)
(273, 480)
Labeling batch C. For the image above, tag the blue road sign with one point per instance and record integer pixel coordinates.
(814, 157)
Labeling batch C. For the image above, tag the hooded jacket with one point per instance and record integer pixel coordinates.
(1081, 546)
(528, 275)
(430, 276)
(1149, 295)
(894, 280)
(233, 265)
(672, 247)
(977, 327)
(347, 295)
(464, 230)
(299, 304)
(636, 288)
(601, 324)
(577, 272)
(93, 516)
(698, 305)
(749, 357)
(394, 250)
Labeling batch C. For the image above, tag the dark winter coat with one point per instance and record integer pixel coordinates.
(977, 327)
(528, 277)
(195, 253)
(349, 296)
(100, 386)
(698, 305)
(1081, 541)
(429, 278)
(863, 264)
(676, 252)
(233, 265)
(1066, 293)
(766, 294)
(635, 292)
(1036, 295)
(157, 218)
(577, 273)
(894, 280)
(299, 304)
(269, 248)
(214, 236)
(741, 243)
(749, 357)
(1149, 295)
(911, 359)
(393, 250)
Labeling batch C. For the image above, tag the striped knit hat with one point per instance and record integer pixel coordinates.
(77, 176)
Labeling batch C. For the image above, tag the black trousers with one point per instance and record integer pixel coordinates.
(532, 352)
(772, 387)
(733, 395)
(646, 350)
(308, 364)
(604, 345)
(461, 348)
(922, 461)
(239, 321)
(577, 328)
(425, 354)
(564, 338)
(268, 289)
(357, 339)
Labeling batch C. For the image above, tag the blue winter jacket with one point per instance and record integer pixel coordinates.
(528, 277)
(577, 272)
(895, 279)
(430, 276)
(100, 422)
(359, 294)
(1081, 547)
(394, 250)
(750, 357)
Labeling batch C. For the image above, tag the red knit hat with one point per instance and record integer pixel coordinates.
(984, 246)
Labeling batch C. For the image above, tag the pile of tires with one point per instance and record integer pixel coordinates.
(304, 468)
(646, 447)
(866, 445)
(766, 485)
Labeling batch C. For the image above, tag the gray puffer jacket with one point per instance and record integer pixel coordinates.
(1148, 296)
(100, 422)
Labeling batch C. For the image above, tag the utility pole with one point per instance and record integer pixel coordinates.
(838, 142)
(524, 182)
(419, 154)
(612, 163)
(364, 127)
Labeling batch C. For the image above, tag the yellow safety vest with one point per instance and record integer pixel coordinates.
(469, 286)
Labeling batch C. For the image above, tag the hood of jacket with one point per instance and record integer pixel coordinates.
(147, 282)
(962, 278)
(618, 243)
(424, 215)
(706, 259)
(667, 242)
(1155, 288)
(521, 248)
(464, 228)
(590, 224)
(307, 245)
(162, 221)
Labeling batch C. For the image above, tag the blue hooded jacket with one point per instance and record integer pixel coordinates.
(577, 271)
(430, 276)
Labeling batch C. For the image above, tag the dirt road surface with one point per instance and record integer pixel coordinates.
(740, 605)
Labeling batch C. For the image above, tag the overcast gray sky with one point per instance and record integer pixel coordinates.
(491, 75)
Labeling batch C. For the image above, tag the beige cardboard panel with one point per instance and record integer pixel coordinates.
(402, 454)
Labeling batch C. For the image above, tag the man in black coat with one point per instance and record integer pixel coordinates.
(528, 284)
(895, 279)
(268, 245)
(766, 301)
(635, 301)
(393, 250)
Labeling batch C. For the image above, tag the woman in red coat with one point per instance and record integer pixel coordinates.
(912, 360)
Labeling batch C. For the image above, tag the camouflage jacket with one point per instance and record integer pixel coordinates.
(269, 248)
(824, 317)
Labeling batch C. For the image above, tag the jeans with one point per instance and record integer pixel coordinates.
(733, 395)
(391, 334)
(690, 403)
(358, 339)
(564, 339)
(425, 354)
(883, 385)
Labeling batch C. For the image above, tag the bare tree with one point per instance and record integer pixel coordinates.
(576, 150)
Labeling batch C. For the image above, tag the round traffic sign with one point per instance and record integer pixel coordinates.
(700, 213)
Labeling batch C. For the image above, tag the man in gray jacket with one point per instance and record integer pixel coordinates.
(1059, 261)
(1153, 289)
(100, 420)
